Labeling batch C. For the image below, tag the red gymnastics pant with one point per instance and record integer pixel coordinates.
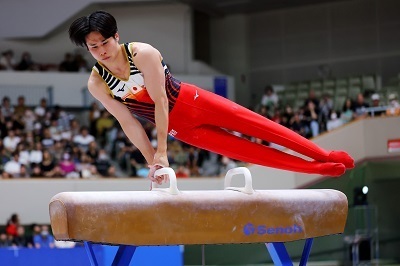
(204, 119)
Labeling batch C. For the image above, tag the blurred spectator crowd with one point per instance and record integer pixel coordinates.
(72, 62)
(318, 115)
(51, 142)
(14, 234)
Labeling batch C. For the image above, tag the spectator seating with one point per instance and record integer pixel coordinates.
(338, 88)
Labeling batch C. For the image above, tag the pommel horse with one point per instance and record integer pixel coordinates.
(167, 216)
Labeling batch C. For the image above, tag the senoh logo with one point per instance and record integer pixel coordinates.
(251, 229)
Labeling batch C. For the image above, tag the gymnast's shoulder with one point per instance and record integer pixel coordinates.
(96, 84)
(141, 49)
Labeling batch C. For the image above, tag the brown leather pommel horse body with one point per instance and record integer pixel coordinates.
(170, 217)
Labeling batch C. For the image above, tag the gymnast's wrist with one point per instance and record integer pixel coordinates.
(161, 149)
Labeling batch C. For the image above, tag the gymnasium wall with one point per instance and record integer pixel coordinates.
(165, 26)
(70, 89)
(348, 37)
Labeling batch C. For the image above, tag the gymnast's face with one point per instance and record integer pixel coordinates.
(102, 49)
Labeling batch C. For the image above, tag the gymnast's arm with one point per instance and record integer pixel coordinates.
(130, 125)
(148, 60)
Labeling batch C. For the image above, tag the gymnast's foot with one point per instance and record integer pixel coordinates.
(341, 157)
(332, 169)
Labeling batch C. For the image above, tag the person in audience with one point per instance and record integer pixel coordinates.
(103, 164)
(66, 134)
(68, 64)
(36, 154)
(28, 119)
(48, 166)
(35, 230)
(347, 113)
(36, 172)
(68, 167)
(20, 240)
(55, 130)
(59, 150)
(298, 125)
(74, 127)
(41, 110)
(76, 153)
(3, 126)
(93, 151)
(6, 108)
(269, 99)
(375, 98)
(287, 116)
(264, 111)
(24, 172)
(16, 124)
(63, 118)
(4, 157)
(393, 105)
(7, 60)
(12, 168)
(47, 140)
(23, 154)
(81, 63)
(180, 156)
(226, 165)
(103, 124)
(44, 239)
(359, 107)
(26, 63)
(130, 159)
(325, 109)
(12, 225)
(277, 117)
(5, 241)
(182, 171)
(312, 97)
(21, 107)
(86, 168)
(29, 140)
(310, 117)
(120, 142)
(209, 165)
(11, 141)
(187, 112)
(83, 139)
(334, 121)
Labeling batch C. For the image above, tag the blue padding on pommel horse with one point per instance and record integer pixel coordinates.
(124, 255)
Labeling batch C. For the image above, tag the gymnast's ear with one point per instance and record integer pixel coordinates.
(116, 37)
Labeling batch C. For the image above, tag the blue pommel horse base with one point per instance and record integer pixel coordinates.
(167, 216)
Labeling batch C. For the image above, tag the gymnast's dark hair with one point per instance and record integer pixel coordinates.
(99, 21)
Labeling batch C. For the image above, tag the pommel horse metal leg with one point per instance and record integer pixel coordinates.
(122, 258)
(280, 256)
(167, 216)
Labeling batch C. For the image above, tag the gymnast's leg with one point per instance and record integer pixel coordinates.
(229, 115)
(222, 142)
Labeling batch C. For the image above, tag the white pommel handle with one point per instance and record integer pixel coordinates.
(173, 186)
(248, 187)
